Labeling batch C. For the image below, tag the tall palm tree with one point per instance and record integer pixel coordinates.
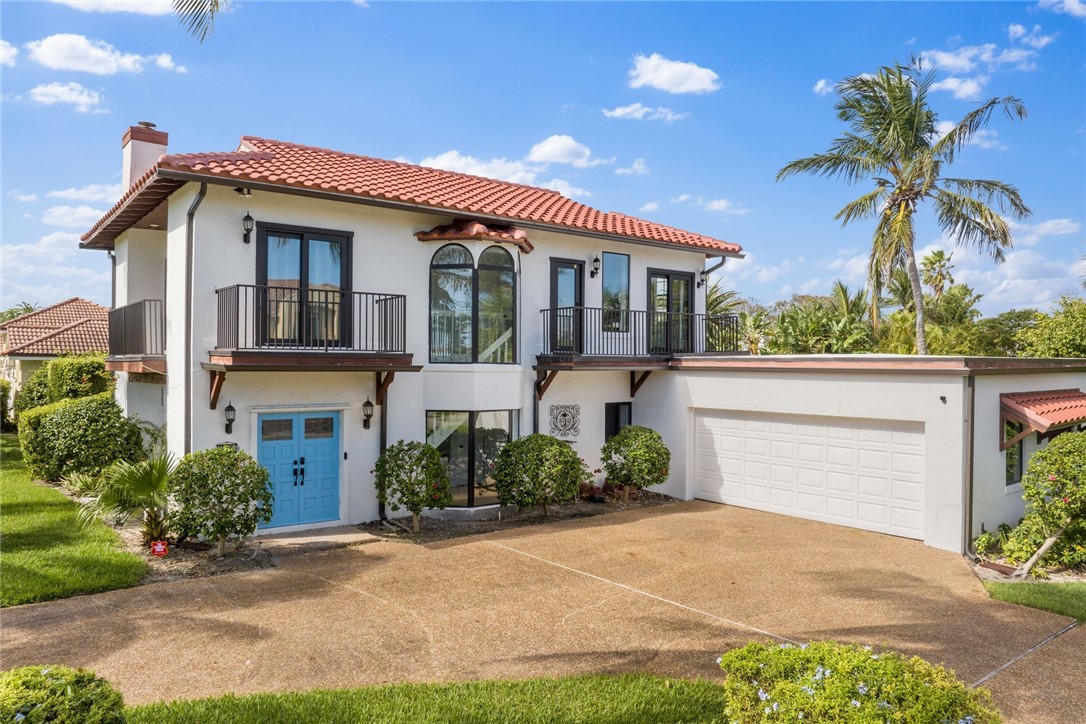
(892, 141)
(199, 15)
(936, 267)
(721, 301)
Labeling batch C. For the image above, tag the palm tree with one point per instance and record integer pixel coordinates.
(892, 141)
(199, 15)
(129, 489)
(721, 301)
(936, 267)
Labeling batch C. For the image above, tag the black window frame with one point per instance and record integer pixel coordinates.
(1010, 429)
(472, 445)
(612, 420)
(475, 267)
(619, 317)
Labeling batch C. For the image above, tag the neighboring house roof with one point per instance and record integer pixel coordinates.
(74, 326)
(264, 162)
(1047, 408)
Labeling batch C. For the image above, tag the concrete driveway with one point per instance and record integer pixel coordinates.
(662, 590)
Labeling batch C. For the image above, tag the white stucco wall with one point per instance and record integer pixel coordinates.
(140, 266)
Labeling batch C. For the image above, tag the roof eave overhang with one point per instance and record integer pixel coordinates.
(190, 176)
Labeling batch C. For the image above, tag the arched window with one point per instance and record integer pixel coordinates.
(472, 311)
(496, 294)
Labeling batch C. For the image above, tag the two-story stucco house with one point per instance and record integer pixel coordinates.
(312, 306)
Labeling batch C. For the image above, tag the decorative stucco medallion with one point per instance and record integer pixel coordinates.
(565, 420)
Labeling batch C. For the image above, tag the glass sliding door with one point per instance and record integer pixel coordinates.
(469, 443)
(671, 303)
(567, 305)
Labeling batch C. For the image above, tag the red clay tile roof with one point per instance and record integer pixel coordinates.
(264, 161)
(74, 326)
(466, 229)
(1047, 408)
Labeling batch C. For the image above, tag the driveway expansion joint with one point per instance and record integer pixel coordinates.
(1003, 667)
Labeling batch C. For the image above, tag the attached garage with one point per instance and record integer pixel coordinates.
(859, 473)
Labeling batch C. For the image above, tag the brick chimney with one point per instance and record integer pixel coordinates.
(141, 145)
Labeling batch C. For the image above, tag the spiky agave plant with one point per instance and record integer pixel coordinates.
(129, 489)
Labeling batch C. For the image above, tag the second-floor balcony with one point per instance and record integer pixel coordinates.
(137, 338)
(620, 337)
(268, 325)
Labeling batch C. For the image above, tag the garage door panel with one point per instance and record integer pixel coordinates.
(861, 473)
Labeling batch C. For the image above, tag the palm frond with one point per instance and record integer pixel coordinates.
(865, 207)
(1005, 196)
(958, 137)
(972, 222)
(198, 16)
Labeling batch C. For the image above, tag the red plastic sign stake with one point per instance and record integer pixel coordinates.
(158, 548)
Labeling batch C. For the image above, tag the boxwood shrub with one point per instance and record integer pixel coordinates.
(77, 436)
(34, 392)
(58, 694)
(73, 377)
(827, 681)
(636, 457)
(538, 470)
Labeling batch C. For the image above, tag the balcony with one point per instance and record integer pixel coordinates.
(286, 328)
(577, 337)
(137, 338)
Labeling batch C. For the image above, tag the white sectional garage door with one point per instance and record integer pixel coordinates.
(858, 473)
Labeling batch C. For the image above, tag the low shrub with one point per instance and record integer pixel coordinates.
(538, 470)
(58, 694)
(34, 392)
(85, 435)
(635, 458)
(5, 394)
(220, 493)
(1027, 538)
(410, 475)
(828, 681)
(70, 378)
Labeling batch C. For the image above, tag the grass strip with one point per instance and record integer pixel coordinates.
(1068, 599)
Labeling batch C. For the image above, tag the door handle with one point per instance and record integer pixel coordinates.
(303, 476)
(295, 476)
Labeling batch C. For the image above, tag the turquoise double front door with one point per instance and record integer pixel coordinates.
(301, 451)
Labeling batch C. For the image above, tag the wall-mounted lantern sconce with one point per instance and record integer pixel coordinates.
(231, 415)
(247, 226)
(243, 191)
(367, 413)
(703, 276)
(595, 267)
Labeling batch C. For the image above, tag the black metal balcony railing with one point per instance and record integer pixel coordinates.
(138, 329)
(252, 317)
(596, 332)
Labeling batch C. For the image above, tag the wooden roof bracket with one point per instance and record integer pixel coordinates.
(543, 380)
(1004, 418)
(217, 379)
(636, 382)
(384, 381)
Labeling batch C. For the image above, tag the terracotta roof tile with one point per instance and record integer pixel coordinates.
(306, 167)
(74, 326)
(466, 229)
(82, 337)
(59, 314)
(1046, 408)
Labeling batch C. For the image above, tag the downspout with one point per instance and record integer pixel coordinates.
(112, 278)
(190, 231)
(713, 268)
(967, 503)
(382, 445)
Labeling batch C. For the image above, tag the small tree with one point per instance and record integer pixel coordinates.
(134, 488)
(1054, 487)
(220, 492)
(538, 470)
(410, 475)
(635, 458)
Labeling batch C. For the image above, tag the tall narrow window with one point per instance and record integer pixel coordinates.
(616, 292)
(496, 304)
(451, 292)
(1013, 459)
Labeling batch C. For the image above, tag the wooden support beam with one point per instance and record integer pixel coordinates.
(217, 378)
(543, 380)
(384, 380)
(1007, 444)
(636, 382)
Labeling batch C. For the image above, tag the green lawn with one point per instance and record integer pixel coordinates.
(610, 699)
(1068, 599)
(44, 553)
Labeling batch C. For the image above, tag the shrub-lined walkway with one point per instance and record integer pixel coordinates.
(44, 553)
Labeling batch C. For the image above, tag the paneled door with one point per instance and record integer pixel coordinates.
(567, 305)
(671, 303)
(301, 452)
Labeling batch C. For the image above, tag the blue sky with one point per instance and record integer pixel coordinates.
(680, 113)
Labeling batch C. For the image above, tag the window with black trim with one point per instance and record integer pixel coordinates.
(472, 310)
(616, 292)
(469, 443)
(1013, 454)
(616, 415)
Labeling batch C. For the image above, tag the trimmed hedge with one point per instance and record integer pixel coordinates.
(33, 393)
(77, 436)
(5, 391)
(538, 470)
(637, 456)
(60, 695)
(73, 377)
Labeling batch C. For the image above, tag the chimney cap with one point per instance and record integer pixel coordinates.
(147, 124)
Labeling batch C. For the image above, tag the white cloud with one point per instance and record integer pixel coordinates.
(724, 205)
(966, 89)
(47, 270)
(564, 149)
(1076, 8)
(82, 98)
(637, 168)
(565, 188)
(672, 76)
(748, 268)
(23, 198)
(71, 216)
(8, 52)
(851, 267)
(969, 58)
(640, 112)
(91, 192)
(650, 206)
(681, 198)
(823, 87)
(361, 3)
(1032, 38)
(68, 51)
(1033, 234)
(984, 138)
(499, 168)
(138, 7)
